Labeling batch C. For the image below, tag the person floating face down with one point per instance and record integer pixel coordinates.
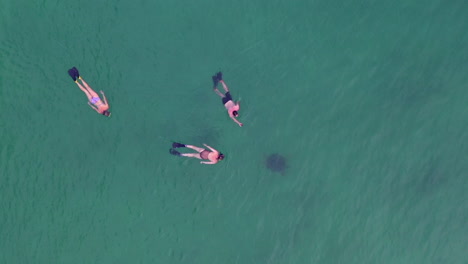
(100, 106)
(232, 108)
(212, 154)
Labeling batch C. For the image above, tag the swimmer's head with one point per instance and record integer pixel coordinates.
(221, 156)
(235, 113)
(106, 113)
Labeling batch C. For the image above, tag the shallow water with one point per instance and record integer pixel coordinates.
(366, 100)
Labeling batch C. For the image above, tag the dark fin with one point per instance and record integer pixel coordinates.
(178, 145)
(77, 73)
(71, 72)
(215, 81)
(219, 76)
(174, 152)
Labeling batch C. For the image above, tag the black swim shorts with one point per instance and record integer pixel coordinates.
(227, 97)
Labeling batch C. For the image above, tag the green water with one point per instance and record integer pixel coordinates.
(365, 99)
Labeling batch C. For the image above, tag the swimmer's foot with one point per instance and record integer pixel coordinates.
(174, 152)
(215, 81)
(219, 76)
(178, 145)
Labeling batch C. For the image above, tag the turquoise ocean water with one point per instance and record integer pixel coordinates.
(367, 100)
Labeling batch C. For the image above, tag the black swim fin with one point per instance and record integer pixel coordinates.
(174, 152)
(178, 145)
(215, 81)
(219, 76)
(77, 73)
(72, 74)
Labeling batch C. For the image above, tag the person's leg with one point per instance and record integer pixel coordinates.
(191, 155)
(84, 90)
(218, 92)
(90, 90)
(224, 85)
(197, 149)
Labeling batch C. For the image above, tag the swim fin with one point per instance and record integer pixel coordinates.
(219, 76)
(174, 152)
(72, 74)
(77, 73)
(178, 145)
(215, 81)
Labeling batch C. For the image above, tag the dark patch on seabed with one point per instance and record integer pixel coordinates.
(276, 163)
(426, 179)
(407, 81)
(170, 131)
(207, 135)
(433, 176)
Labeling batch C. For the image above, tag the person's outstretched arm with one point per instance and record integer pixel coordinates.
(104, 97)
(235, 120)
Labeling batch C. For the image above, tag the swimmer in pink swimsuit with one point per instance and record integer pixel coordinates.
(95, 102)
